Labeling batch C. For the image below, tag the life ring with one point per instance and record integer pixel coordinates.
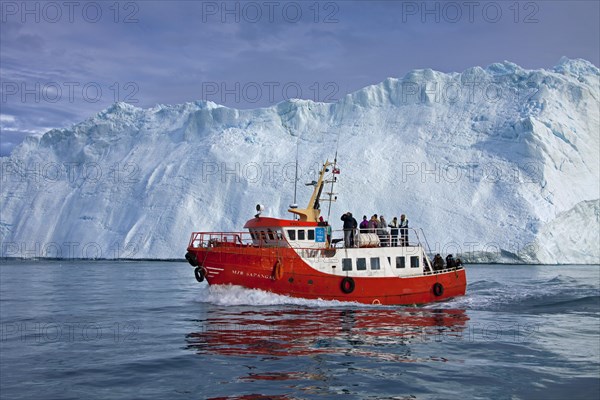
(376, 302)
(278, 270)
(191, 258)
(199, 273)
(438, 289)
(347, 285)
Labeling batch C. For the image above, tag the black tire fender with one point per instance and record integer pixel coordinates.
(438, 289)
(347, 285)
(191, 258)
(199, 274)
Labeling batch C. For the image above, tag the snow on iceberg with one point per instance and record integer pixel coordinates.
(497, 164)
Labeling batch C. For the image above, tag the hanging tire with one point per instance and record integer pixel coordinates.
(199, 273)
(347, 285)
(438, 289)
(191, 258)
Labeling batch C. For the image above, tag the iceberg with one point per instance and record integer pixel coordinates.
(496, 164)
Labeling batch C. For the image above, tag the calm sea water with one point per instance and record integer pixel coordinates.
(147, 330)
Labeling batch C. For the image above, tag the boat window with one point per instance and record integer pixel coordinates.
(311, 234)
(271, 236)
(300, 234)
(400, 262)
(263, 236)
(361, 264)
(252, 235)
(292, 234)
(414, 262)
(279, 235)
(346, 264)
(375, 263)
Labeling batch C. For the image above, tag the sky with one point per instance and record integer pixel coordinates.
(64, 61)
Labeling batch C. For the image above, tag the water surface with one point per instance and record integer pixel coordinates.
(148, 330)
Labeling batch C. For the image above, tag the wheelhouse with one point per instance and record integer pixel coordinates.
(274, 232)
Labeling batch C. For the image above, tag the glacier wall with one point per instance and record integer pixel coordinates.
(498, 164)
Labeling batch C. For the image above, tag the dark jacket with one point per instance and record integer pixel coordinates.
(349, 221)
(394, 226)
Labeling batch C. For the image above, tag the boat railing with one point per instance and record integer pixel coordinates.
(443, 270)
(360, 238)
(237, 239)
(243, 242)
(377, 237)
(212, 239)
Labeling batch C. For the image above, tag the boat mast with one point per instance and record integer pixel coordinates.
(294, 204)
(333, 179)
(312, 211)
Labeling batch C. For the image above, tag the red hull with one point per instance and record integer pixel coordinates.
(259, 268)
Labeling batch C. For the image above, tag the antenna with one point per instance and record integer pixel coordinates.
(296, 179)
(333, 179)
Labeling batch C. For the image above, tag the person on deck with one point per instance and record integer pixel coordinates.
(364, 225)
(403, 225)
(354, 228)
(382, 232)
(349, 226)
(394, 231)
(373, 224)
(438, 263)
(324, 223)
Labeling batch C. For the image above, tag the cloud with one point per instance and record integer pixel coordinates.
(7, 119)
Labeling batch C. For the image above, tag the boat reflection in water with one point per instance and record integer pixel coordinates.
(370, 332)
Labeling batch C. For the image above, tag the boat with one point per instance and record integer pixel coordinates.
(302, 257)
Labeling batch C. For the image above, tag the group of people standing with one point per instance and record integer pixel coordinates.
(451, 262)
(398, 234)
